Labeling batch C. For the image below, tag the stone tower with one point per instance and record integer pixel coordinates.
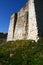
(24, 25)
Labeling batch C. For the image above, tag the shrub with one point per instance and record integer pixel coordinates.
(21, 52)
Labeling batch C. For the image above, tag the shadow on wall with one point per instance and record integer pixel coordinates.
(15, 21)
(39, 16)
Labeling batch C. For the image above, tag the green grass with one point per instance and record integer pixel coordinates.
(21, 52)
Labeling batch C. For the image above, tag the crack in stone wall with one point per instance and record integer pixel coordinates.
(26, 27)
(15, 21)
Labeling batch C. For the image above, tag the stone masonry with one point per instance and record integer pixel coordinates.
(23, 25)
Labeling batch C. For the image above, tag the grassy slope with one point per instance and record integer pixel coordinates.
(23, 52)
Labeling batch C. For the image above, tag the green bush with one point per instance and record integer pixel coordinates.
(21, 52)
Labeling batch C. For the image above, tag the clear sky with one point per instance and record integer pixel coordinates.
(7, 8)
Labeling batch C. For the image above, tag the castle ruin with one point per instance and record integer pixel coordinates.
(26, 24)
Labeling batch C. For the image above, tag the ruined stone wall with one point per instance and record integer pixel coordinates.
(20, 32)
(11, 27)
(17, 25)
(32, 27)
(28, 22)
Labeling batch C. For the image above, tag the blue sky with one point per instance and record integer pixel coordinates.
(7, 8)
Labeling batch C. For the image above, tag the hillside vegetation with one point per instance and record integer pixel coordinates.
(21, 52)
(3, 36)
